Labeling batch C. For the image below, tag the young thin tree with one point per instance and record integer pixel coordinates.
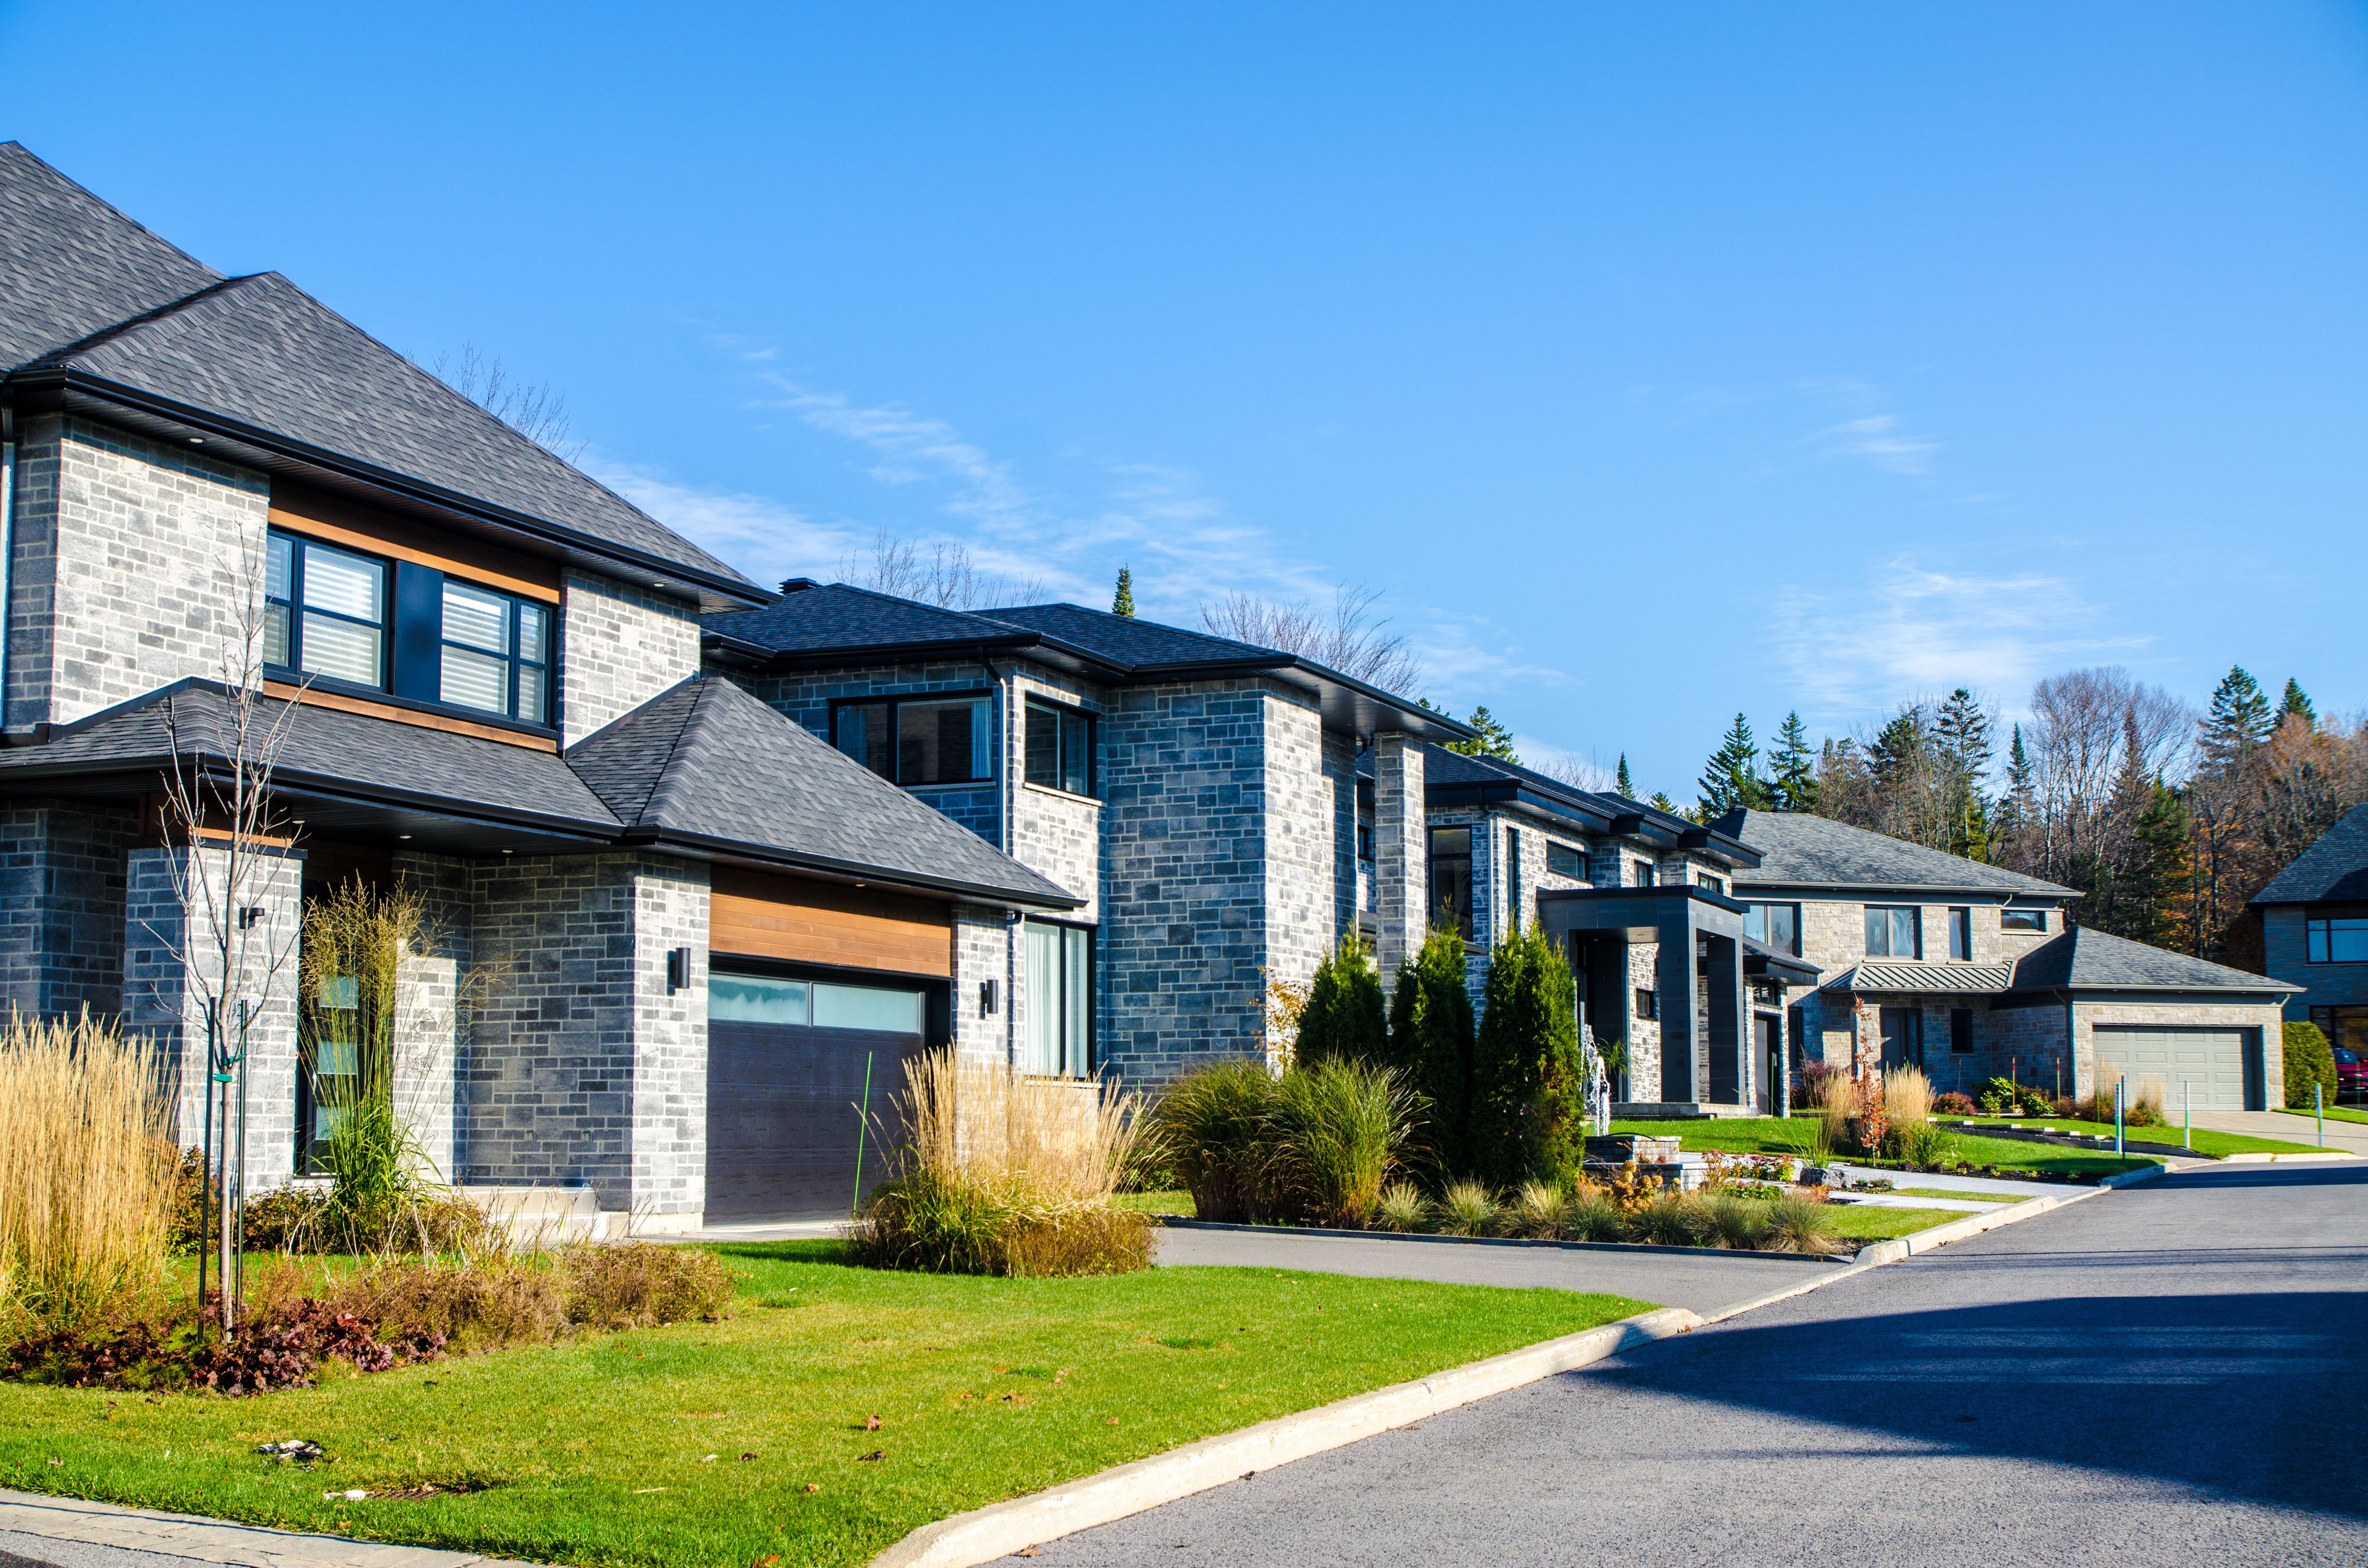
(1490, 739)
(1727, 779)
(1791, 767)
(2297, 706)
(1123, 602)
(1620, 783)
(1961, 735)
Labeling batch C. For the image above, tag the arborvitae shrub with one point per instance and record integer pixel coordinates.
(1431, 1043)
(1345, 1020)
(1527, 1096)
(2309, 1060)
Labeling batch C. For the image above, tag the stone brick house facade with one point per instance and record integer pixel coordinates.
(2314, 918)
(1972, 972)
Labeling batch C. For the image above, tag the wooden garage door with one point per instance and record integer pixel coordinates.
(2212, 1063)
(785, 1073)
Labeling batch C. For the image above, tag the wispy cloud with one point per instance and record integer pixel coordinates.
(762, 536)
(1879, 440)
(1904, 630)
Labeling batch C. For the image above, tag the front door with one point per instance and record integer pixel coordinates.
(1902, 1036)
(1768, 1036)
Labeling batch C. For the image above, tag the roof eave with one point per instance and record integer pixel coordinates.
(2000, 896)
(68, 381)
(850, 870)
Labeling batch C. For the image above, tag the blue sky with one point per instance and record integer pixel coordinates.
(1652, 361)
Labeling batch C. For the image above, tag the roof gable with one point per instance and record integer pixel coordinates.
(2333, 869)
(70, 264)
(1800, 850)
(705, 760)
(2083, 956)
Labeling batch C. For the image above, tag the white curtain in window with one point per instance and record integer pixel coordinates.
(1043, 1053)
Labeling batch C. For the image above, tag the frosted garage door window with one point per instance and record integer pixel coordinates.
(756, 999)
(864, 1007)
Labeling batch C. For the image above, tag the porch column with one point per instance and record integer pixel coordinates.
(1401, 869)
(177, 908)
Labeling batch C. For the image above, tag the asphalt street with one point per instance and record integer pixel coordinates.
(2169, 1373)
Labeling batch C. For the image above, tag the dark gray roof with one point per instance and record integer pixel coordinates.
(84, 288)
(1124, 640)
(707, 763)
(329, 749)
(836, 615)
(2082, 956)
(2334, 870)
(1799, 850)
(70, 264)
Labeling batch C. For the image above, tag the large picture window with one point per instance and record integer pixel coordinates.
(1450, 880)
(1774, 926)
(1891, 931)
(324, 611)
(1059, 1000)
(919, 740)
(1562, 861)
(2340, 938)
(496, 653)
(2023, 920)
(1060, 748)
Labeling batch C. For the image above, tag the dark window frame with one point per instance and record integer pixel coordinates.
(1758, 912)
(1648, 1004)
(1960, 1031)
(2319, 932)
(1709, 884)
(1063, 714)
(1647, 875)
(2022, 918)
(1513, 877)
(1064, 989)
(517, 665)
(1555, 849)
(1461, 922)
(294, 609)
(1960, 933)
(895, 702)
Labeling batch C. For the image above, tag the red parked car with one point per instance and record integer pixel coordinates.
(2350, 1075)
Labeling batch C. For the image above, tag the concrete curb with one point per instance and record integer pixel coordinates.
(2288, 1159)
(213, 1540)
(984, 1534)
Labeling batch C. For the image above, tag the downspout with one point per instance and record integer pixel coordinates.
(7, 519)
(1008, 803)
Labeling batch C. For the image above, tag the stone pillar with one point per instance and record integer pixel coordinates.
(1340, 773)
(179, 907)
(1400, 865)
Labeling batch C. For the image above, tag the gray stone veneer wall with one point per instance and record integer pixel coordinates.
(619, 647)
(171, 949)
(128, 569)
(1401, 868)
(61, 917)
(983, 942)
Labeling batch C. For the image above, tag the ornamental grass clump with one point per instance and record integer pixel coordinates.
(1591, 1215)
(1668, 1219)
(1216, 1124)
(1741, 1223)
(86, 1177)
(1005, 1175)
(1537, 1210)
(1467, 1208)
(1797, 1224)
(1402, 1208)
(1314, 1145)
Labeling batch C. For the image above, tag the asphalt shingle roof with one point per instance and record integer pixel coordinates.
(1123, 639)
(83, 288)
(70, 264)
(835, 615)
(1799, 849)
(705, 760)
(398, 761)
(2082, 956)
(2334, 870)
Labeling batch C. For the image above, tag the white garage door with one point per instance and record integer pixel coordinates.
(2210, 1063)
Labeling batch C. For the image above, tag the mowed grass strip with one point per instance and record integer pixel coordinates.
(1874, 1222)
(2208, 1143)
(595, 1453)
(1779, 1135)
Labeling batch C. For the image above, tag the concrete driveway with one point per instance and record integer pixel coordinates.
(2162, 1374)
(2349, 1137)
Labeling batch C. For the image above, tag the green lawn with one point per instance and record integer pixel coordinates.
(1870, 1223)
(2214, 1145)
(2334, 1113)
(1957, 1192)
(1778, 1135)
(1157, 1202)
(597, 1451)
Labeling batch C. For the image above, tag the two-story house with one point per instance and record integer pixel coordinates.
(1973, 972)
(698, 922)
(2314, 918)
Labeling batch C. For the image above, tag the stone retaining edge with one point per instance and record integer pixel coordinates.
(982, 1535)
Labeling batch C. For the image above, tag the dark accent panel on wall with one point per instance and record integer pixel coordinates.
(418, 632)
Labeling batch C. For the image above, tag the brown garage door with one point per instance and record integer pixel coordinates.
(786, 1061)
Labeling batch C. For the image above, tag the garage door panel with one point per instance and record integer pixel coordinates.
(782, 1118)
(2209, 1062)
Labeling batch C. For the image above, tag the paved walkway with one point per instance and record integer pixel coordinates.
(1705, 1282)
(61, 1532)
(2133, 1379)
(2350, 1137)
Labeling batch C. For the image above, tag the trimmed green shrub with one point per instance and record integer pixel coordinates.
(1431, 1043)
(1528, 1107)
(1345, 1020)
(2309, 1060)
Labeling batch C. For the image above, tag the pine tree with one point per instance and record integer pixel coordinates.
(1728, 781)
(1527, 1101)
(1122, 602)
(2297, 706)
(1492, 740)
(1432, 1042)
(1793, 775)
(2239, 721)
(1346, 1018)
(1961, 732)
(2163, 884)
(2019, 807)
(1661, 803)
(2116, 879)
(1620, 784)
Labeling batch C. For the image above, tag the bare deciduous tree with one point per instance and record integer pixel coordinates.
(536, 411)
(946, 575)
(2078, 725)
(1349, 638)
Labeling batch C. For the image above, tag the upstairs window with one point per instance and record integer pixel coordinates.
(1891, 931)
(1774, 926)
(1961, 935)
(2337, 938)
(497, 653)
(1365, 841)
(1645, 876)
(2023, 920)
(918, 740)
(324, 611)
(1061, 748)
(1562, 861)
(1450, 880)
(1709, 884)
